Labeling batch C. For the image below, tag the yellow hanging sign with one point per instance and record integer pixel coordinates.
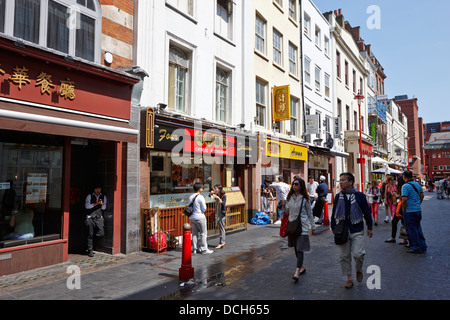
(281, 103)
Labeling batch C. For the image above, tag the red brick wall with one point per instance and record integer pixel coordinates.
(118, 31)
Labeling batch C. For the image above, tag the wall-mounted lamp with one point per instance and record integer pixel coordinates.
(108, 58)
(162, 106)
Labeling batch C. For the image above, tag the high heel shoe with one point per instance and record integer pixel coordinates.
(221, 246)
(295, 278)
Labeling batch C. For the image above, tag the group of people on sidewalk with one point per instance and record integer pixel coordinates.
(350, 210)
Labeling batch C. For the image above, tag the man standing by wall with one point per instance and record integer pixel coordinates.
(282, 190)
(322, 193)
(412, 197)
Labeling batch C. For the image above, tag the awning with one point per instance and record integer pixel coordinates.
(378, 160)
(20, 117)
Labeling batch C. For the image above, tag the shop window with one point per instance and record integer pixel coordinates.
(69, 26)
(171, 184)
(31, 175)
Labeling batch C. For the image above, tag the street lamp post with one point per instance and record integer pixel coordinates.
(361, 161)
(407, 146)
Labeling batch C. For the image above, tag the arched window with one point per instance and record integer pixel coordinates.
(69, 26)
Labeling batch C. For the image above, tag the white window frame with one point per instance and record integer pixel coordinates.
(317, 78)
(261, 103)
(307, 70)
(326, 46)
(224, 19)
(293, 59)
(258, 36)
(327, 85)
(317, 35)
(307, 25)
(184, 6)
(293, 9)
(294, 116)
(180, 67)
(223, 93)
(277, 44)
(96, 15)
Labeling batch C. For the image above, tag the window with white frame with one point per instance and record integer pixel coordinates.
(178, 79)
(317, 79)
(277, 47)
(307, 25)
(261, 103)
(69, 26)
(317, 35)
(260, 34)
(222, 94)
(185, 6)
(279, 2)
(293, 9)
(327, 85)
(326, 46)
(292, 59)
(307, 68)
(294, 112)
(328, 125)
(224, 14)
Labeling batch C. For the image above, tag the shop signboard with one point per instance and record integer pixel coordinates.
(286, 150)
(281, 103)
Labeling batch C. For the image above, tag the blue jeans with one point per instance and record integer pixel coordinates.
(280, 210)
(414, 230)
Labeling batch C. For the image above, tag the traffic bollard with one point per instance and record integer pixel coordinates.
(186, 272)
(326, 220)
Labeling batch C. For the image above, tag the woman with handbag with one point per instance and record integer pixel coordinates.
(374, 195)
(301, 220)
(398, 215)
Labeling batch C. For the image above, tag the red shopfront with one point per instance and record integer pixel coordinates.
(64, 125)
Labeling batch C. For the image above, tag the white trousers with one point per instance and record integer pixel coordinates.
(353, 248)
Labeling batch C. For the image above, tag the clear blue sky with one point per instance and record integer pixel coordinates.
(412, 44)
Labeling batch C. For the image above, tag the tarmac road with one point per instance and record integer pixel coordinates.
(256, 265)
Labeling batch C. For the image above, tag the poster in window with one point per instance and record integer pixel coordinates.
(36, 191)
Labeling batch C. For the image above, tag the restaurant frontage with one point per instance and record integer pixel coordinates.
(177, 152)
(64, 128)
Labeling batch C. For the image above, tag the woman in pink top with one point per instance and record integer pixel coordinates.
(391, 195)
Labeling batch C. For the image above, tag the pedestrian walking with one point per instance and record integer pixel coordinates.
(312, 186)
(265, 193)
(412, 197)
(95, 204)
(398, 216)
(198, 221)
(322, 193)
(282, 190)
(374, 198)
(391, 197)
(219, 195)
(350, 206)
(300, 216)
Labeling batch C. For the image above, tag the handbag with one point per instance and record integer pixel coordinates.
(341, 232)
(403, 235)
(190, 208)
(284, 223)
(294, 228)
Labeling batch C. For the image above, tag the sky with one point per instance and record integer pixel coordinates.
(411, 40)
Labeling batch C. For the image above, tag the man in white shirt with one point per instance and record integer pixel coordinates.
(312, 186)
(95, 204)
(282, 190)
(198, 221)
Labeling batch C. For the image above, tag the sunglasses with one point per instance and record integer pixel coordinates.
(296, 184)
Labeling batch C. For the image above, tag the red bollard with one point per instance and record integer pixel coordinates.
(326, 220)
(186, 272)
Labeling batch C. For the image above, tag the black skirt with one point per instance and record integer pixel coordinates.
(300, 243)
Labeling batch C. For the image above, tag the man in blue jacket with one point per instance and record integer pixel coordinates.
(351, 206)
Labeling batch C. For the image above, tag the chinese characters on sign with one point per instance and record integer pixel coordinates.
(281, 103)
(21, 78)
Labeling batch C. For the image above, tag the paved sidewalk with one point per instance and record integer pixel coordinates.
(124, 276)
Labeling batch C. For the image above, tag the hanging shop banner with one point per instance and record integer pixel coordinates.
(281, 103)
(312, 123)
(286, 150)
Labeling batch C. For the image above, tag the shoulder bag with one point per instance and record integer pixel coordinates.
(294, 228)
(190, 208)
